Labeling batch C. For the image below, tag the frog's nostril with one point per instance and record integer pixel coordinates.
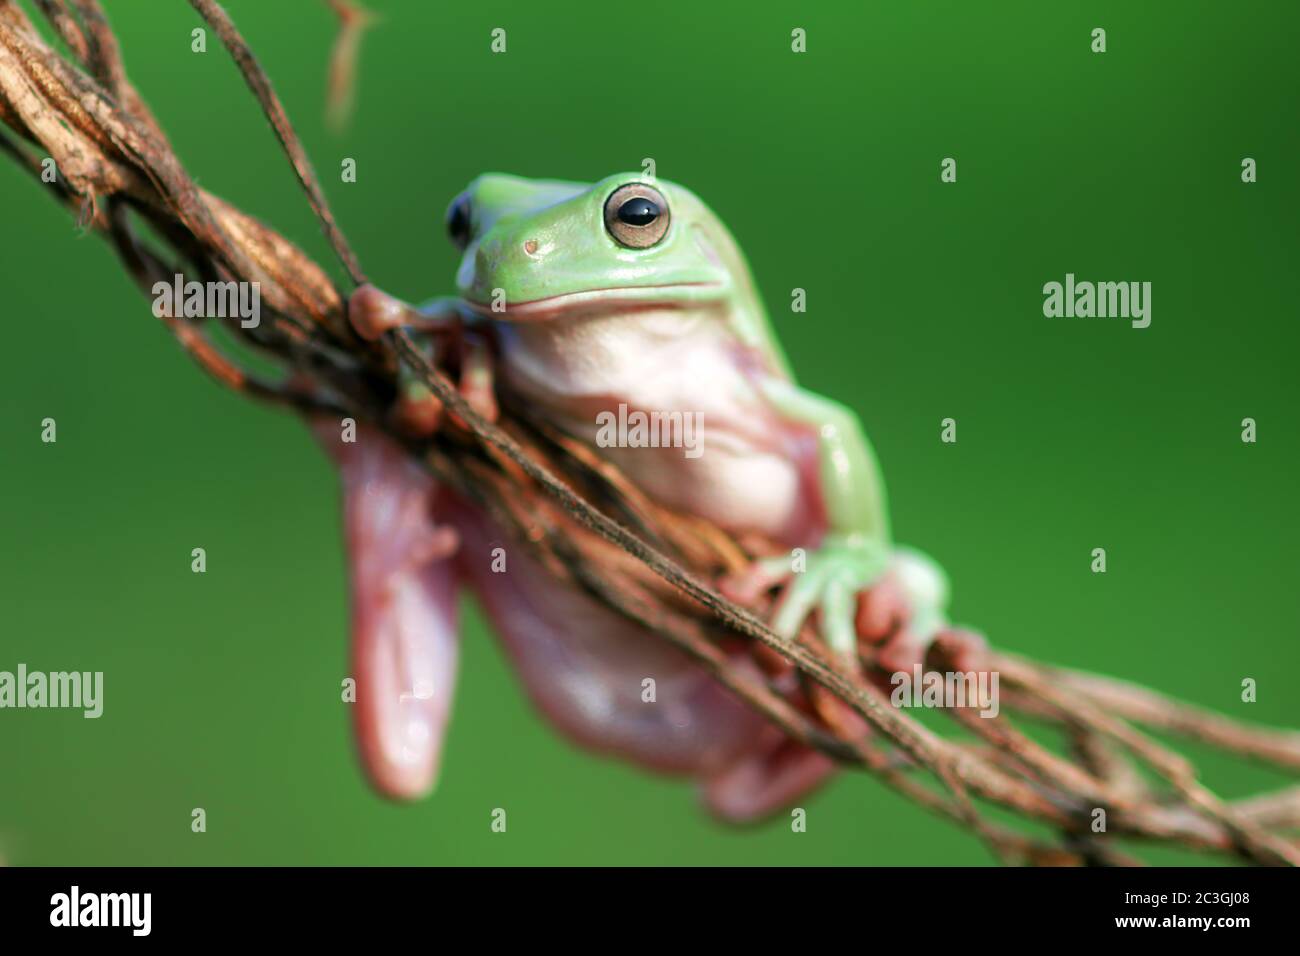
(530, 247)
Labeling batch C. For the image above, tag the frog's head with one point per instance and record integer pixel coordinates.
(543, 248)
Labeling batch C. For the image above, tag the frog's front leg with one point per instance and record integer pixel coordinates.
(855, 551)
(372, 312)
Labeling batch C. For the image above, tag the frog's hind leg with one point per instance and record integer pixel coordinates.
(403, 610)
(608, 684)
(766, 779)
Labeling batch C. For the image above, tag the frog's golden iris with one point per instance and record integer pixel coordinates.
(637, 216)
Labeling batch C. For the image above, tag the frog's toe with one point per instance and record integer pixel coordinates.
(837, 616)
(882, 610)
(748, 585)
(964, 650)
(477, 380)
(418, 411)
(800, 597)
(373, 312)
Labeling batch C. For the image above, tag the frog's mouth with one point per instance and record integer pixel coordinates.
(672, 295)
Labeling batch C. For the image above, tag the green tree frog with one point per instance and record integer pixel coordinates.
(613, 298)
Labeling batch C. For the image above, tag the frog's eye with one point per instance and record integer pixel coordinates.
(637, 215)
(458, 221)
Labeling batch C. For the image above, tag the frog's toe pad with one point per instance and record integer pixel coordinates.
(963, 650)
(373, 312)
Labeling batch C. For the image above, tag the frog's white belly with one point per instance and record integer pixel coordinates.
(728, 459)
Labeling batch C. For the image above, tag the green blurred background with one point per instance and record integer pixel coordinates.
(222, 689)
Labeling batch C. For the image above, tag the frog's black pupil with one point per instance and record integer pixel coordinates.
(638, 211)
(458, 222)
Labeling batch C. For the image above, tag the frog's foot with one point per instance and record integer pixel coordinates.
(825, 582)
(372, 312)
(420, 412)
(904, 619)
